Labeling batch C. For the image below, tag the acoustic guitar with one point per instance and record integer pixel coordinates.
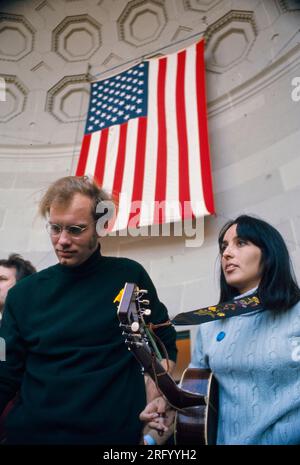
(195, 398)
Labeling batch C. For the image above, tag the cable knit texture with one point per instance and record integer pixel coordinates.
(257, 365)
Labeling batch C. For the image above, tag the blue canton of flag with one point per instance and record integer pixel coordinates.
(118, 99)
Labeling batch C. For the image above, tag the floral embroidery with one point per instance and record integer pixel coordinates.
(223, 310)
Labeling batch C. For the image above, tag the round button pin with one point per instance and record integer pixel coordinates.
(220, 336)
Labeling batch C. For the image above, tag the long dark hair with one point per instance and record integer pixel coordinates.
(278, 288)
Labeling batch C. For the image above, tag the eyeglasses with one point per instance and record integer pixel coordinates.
(56, 229)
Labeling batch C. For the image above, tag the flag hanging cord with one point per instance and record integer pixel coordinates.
(143, 57)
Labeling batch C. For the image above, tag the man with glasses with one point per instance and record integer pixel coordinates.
(65, 351)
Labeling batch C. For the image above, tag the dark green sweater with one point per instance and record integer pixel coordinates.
(66, 356)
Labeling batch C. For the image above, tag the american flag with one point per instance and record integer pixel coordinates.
(146, 140)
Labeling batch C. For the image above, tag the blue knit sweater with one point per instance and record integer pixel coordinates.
(256, 360)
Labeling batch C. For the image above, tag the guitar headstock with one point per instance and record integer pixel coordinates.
(131, 312)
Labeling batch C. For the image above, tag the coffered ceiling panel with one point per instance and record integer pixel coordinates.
(77, 38)
(200, 5)
(229, 40)
(15, 98)
(67, 101)
(16, 37)
(142, 21)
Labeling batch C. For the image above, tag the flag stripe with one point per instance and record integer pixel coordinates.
(100, 165)
(203, 129)
(93, 152)
(111, 157)
(119, 171)
(184, 191)
(196, 190)
(161, 164)
(83, 155)
(139, 162)
(147, 210)
(128, 174)
(173, 211)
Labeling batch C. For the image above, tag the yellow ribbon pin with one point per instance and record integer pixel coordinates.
(119, 296)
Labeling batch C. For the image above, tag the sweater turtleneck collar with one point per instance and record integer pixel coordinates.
(89, 266)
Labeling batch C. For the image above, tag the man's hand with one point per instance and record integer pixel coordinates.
(158, 415)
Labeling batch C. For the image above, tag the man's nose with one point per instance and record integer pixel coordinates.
(64, 238)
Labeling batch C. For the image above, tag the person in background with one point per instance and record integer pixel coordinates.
(65, 350)
(12, 269)
(255, 357)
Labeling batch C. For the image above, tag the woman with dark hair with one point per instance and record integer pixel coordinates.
(277, 287)
(255, 356)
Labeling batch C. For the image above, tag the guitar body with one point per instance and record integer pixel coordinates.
(197, 425)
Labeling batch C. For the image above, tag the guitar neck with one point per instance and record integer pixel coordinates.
(177, 397)
(137, 340)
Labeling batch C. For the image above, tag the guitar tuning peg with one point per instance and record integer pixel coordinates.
(145, 302)
(143, 291)
(135, 327)
(146, 311)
